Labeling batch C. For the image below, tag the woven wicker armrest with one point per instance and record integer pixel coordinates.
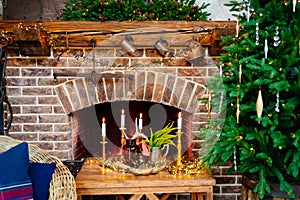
(62, 185)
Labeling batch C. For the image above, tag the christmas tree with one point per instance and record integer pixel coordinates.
(260, 73)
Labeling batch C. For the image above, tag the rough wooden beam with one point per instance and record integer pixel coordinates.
(144, 33)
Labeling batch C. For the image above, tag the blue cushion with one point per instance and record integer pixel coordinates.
(41, 175)
(14, 180)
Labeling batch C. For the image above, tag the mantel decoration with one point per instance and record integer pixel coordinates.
(260, 72)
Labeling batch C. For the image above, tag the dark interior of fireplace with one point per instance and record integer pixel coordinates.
(87, 131)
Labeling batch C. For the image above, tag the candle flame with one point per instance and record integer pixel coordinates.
(141, 115)
(179, 115)
(123, 111)
(103, 120)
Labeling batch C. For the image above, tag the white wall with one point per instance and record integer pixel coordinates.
(218, 10)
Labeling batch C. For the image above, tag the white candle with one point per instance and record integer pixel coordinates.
(103, 127)
(122, 119)
(179, 121)
(140, 122)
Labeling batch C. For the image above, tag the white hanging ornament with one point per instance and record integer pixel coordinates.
(259, 105)
(276, 37)
(294, 5)
(234, 159)
(240, 73)
(277, 103)
(237, 27)
(248, 12)
(266, 49)
(257, 35)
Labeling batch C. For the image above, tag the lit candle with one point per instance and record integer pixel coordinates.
(140, 122)
(122, 119)
(103, 127)
(179, 121)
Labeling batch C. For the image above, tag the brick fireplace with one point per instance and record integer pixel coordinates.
(139, 85)
(44, 105)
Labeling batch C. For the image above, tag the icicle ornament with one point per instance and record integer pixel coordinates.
(237, 27)
(294, 5)
(257, 35)
(277, 103)
(248, 12)
(276, 37)
(259, 105)
(234, 159)
(240, 73)
(266, 49)
(238, 109)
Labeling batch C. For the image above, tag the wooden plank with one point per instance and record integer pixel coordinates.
(94, 180)
(145, 33)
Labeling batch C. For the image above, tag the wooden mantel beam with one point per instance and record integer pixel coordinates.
(111, 33)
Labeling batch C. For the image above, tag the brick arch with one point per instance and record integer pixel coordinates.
(167, 89)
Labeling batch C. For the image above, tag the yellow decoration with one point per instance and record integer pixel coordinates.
(190, 166)
(259, 106)
(239, 138)
(237, 109)
(179, 163)
(240, 73)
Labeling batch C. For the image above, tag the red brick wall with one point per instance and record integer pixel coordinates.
(40, 118)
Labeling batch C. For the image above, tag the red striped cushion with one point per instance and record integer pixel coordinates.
(17, 191)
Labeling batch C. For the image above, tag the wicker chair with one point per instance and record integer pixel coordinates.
(62, 185)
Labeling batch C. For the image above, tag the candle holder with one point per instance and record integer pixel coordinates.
(103, 147)
(123, 140)
(179, 162)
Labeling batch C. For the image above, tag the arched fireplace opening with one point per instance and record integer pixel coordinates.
(88, 121)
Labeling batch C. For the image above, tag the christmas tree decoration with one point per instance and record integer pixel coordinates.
(259, 105)
(294, 5)
(237, 28)
(276, 37)
(257, 35)
(234, 159)
(238, 109)
(266, 48)
(240, 73)
(277, 103)
(248, 11)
